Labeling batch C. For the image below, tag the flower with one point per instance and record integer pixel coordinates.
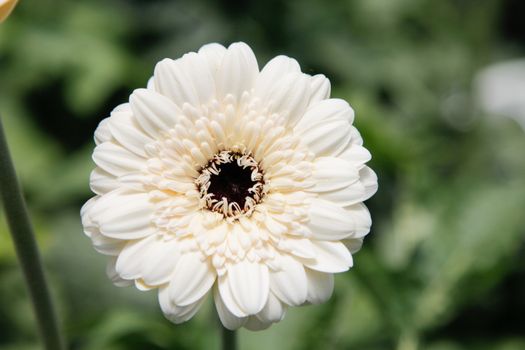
(222, 178)
(6, 6)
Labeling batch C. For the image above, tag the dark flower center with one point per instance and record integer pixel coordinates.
(232, 183)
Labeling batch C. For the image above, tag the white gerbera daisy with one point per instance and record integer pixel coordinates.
(220, 177)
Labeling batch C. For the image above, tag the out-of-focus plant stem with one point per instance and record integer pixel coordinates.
(229, 339)
(27, 250)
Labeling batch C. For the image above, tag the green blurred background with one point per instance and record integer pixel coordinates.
(443, 268)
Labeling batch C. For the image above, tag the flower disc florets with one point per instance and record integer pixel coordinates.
(231, 184)
(220, 177)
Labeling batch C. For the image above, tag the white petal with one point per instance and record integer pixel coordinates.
(332, 173)
(131, 259)
(186, 80)
(117, 160)
(289, 284)
(320, 87)
(289, 97)
(331, 257)
(249, 284)
(171, 80)
(128, 133)
(332, 109)
(154, 112)
(238, 71)
(191, 279)
(124, 215)
(227, 297)
(320, 286)
(151, 84)
(327, 138)
(301, 247)
(102, 182)
(161, 261)
(273, 311)
(349, 195)
(213, 54)
(369, 179)
(143, 286)
(330, 222)
(200, 75)
(85, 215)
(105, 245)
(353, 244)
(355, 154)
(175, 313)
(361, 217)
(113, 275)
(102, 133)
(273, 71)
(229, 320)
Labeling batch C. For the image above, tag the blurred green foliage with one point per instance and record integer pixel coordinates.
(443, 266)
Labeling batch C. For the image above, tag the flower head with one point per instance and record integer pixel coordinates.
(225, 179)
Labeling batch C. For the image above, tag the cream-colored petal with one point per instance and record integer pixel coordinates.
(355, 154)
(289, 284)
(320, 89)
(369, 180)
(105, 245)
(238, 71)
(213, 54)
(191, 279)
(200, 76)
(331, 257)
(102, 182)
(228, 319)
(356, 136)
(173, 81)
(331, 173)
(227, 297)
(154, 112)
(249, 283)
(102, 133)
(151, 84)
(131, 260)
(323, 111)
(300, 247)
(128, 133)
(85, 214)
(353, 244)
(175, 313)
(354, 193)
(330, 222)
(187, 80)
(143, 286)
(361, 217)
(117, 160)
(124, 215)
(273, 311)
(113, 275)
(320, 286)
(162, 258)
(327, 138)
(277, 68)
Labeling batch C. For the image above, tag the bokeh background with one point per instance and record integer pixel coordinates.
(439, 92)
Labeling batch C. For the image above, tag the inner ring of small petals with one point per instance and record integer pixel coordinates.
(231, 184)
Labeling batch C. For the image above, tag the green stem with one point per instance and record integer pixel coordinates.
(229, 340)
(26, 249)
